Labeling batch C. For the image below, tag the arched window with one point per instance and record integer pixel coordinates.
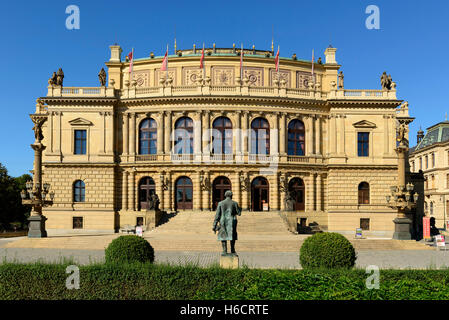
(222, 136)
(148, 137)
(184, 136)
(79, 191)
(260, 136)
(296, 138)
(364, 193)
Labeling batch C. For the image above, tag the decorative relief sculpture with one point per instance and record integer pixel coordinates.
(279, 76)
(162, 75)
(402, 130)
(222, 76)
(142, 78)
(190, 76)
(102, 77)
(289, 202)
(303, 79)
(254, 76)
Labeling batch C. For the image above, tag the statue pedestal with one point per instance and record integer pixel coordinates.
(229, 261)
(153, 217)
(36, 227)
(402, 227)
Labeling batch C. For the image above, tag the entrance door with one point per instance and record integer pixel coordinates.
(184, 194)
(296, 187)
(260, 194)
(219, 187)
(146, 189)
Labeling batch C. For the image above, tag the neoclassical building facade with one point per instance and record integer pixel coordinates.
(189, 134)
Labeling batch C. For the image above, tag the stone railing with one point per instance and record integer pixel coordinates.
(302, 159)
(146, 157)
(167, 90)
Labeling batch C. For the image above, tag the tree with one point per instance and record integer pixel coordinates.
(11, 208)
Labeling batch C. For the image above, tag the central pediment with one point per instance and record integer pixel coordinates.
(80, 122)
(364, 124)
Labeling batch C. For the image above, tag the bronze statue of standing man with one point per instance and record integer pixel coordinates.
(226, 215)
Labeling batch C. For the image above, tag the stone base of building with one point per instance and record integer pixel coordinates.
(82, 220)
(402, 229)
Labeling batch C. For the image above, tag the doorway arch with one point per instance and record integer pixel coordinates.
(219, 187)
(260, 195)
(146, 188)
(183, 194)
(297, 188)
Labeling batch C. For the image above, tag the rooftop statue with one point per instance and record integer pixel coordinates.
(341, 80)
(59, 77)
(226, 215)
(52, 80)
(385, 81)
(102, 77)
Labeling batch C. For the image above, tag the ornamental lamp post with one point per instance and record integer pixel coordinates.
(36, 192)
(403, 198)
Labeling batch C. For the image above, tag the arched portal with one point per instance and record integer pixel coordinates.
(219, 187)
(260, 196)
(184, 194)
(297, 189)
(146, 189)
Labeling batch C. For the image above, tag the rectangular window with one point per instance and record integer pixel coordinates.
(413, 166)
(433, 182)
(364, 223)
(427, 162)
(77, 222)
(420, 163)
(447, 182)
(80, 141)
(433, 160)
(363, 144)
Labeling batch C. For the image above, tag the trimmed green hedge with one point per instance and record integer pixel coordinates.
(126, 249)
(327, 250)
(149, 281)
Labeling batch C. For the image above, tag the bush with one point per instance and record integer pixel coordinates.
(327, 250)
(126, 249)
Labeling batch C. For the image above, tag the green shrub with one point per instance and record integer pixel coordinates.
(126, 249)
(327, 250)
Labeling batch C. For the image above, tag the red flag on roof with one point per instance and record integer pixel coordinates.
(202, 58)
(131, 59)
(241, 62)
(276, 60)
(165, 61)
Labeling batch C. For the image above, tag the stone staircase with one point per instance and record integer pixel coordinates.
(192, 231)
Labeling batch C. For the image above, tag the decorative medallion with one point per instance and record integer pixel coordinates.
(190, 75)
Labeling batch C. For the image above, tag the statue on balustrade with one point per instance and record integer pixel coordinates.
(52, 80)
(102, 77)
(59, 77)
(225, 222)
(341, 80)
(385, 81)
(290, 202)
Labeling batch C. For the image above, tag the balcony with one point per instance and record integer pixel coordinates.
(146, 157)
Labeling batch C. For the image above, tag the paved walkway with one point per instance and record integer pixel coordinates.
(396, 259)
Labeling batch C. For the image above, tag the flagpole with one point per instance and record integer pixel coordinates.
(132, 65)
(278, 67)
(241, 64)
(204, 69)
(313, 65)
(166, 71)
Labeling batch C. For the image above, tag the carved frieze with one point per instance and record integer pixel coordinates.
(281, 75)
(254, 75)
(163, 74)
(222, 76)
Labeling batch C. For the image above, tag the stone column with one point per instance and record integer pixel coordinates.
(274, 137)
(103, 132)
(319, 191)
(170, 192)
(109, 132)
(237, 189)
(386, 136)
(341, 133)
(245, 133)
(58, 131)
(282, 135)
(50, 131)
(246, 192)
(197, 136)
(276, 193)
(125, 190)
(333, 134)
(197, 193)
(160, 193)
(168, 132)
(160, 134)
(133, 134)
(125, 133)
(238, 135)
(309, 192)
(309, 133)
(206, 133)
(318, 135)
(132, 190)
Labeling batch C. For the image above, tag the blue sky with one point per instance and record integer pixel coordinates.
(411, 45)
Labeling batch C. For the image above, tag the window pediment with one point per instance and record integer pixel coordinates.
(80, 122)
(364, 124)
